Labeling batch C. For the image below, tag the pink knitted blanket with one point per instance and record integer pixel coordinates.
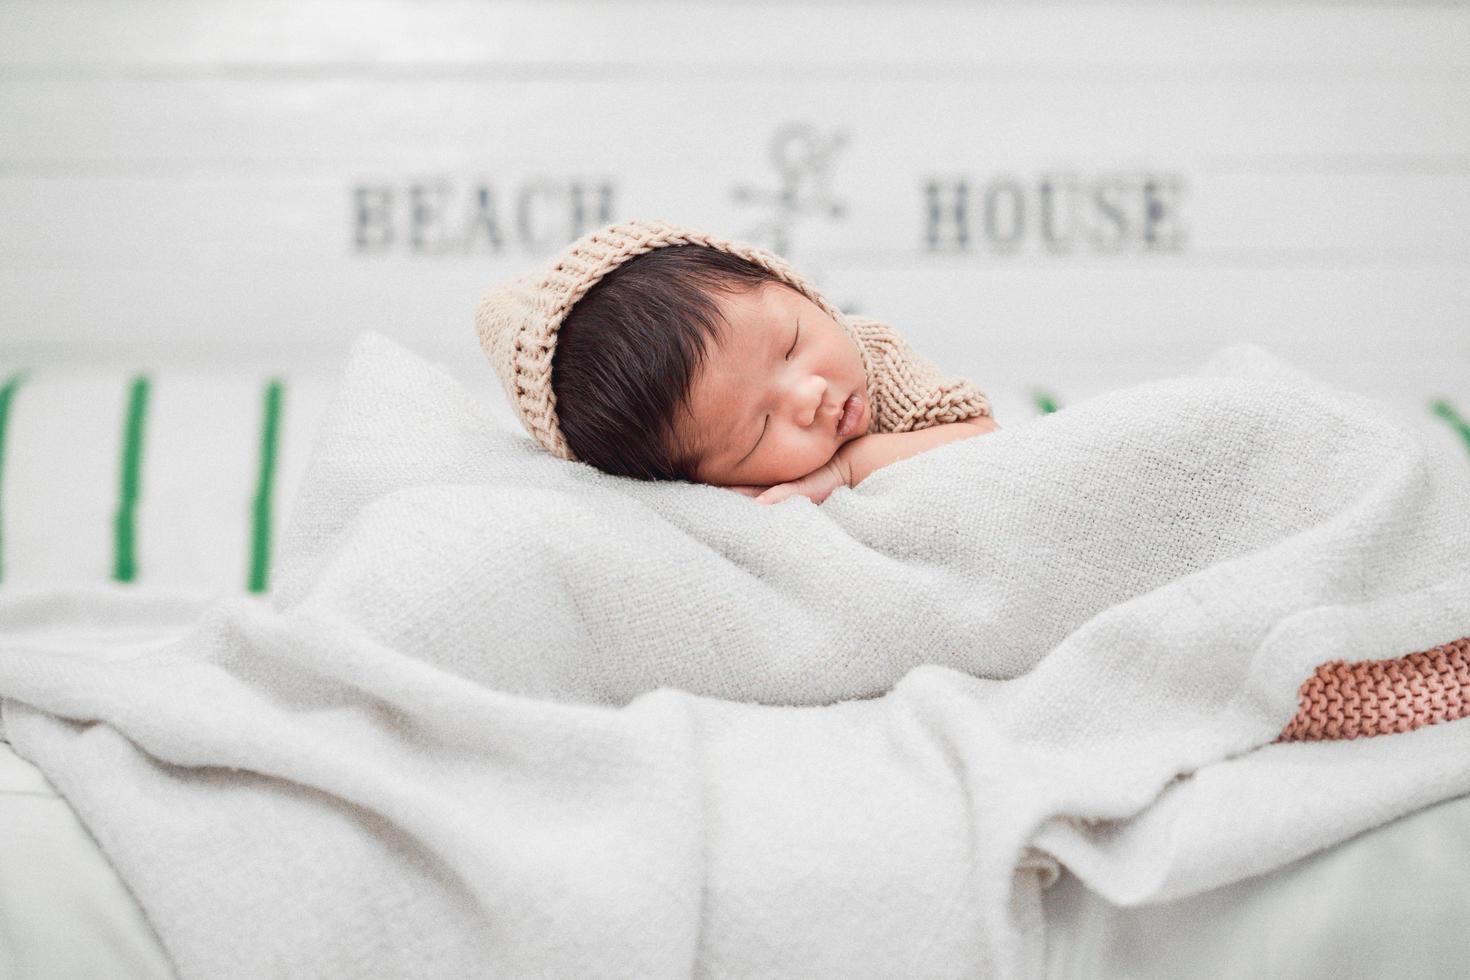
(1380, 697)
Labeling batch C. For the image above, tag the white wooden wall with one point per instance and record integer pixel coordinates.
(1053, 200)
(257, 182)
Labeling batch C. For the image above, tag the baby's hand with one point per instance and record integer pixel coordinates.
(817, 485)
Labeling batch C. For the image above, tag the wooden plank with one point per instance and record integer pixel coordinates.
(892, 219)
(314, 309)
(233, 125)
(653, 38)
(1159, 315)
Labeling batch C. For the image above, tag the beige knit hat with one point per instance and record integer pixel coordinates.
(518, 320)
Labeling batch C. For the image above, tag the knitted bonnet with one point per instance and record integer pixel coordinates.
(517, 321)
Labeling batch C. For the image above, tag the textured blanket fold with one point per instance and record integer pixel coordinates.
(507, 715)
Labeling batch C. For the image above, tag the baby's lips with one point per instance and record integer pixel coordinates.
(852, 414)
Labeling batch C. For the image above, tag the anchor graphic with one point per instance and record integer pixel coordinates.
(804, 159)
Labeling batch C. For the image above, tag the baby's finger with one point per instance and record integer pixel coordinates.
(776, 494)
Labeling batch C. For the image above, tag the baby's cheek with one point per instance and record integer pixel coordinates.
(817, 452)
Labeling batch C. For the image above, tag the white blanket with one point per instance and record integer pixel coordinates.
(1014, 646)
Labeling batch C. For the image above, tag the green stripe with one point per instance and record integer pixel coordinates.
(260, 544)
(7, 393)
(1446, 411)
(125, 559)
(1045, 402)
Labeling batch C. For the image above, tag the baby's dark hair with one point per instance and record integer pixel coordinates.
(629, 350)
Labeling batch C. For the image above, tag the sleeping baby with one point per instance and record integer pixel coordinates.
(656, 352)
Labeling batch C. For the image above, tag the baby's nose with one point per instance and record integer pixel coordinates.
(814, 395)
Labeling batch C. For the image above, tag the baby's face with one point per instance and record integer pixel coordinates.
(766, 403)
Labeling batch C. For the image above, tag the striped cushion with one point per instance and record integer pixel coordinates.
(178, 479)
